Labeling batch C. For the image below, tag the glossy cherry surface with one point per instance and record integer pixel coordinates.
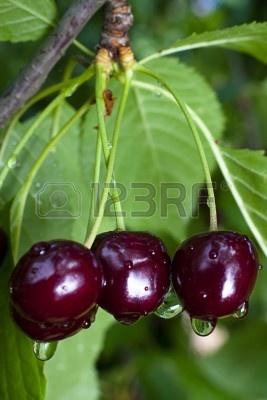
(214, 273)
(136, 270)
(3, 245)
(55, 282)
(45, 332)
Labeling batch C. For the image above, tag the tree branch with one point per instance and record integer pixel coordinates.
(33, 76)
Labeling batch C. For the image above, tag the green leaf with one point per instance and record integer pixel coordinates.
(245, 172)
(248, 38)
(22, 20)
(157, 164)
(71, 372)
(248, 176)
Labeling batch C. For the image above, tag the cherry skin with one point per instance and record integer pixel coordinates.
(136, 270)
(3, 245)
(214, 273)
(55, 282)
(50, 332)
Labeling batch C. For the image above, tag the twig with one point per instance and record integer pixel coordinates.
(33, 76)
(118, 21)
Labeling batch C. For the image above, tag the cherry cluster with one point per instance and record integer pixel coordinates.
(57, 286)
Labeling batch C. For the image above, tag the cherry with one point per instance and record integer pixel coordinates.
(3, 245)
(136, 270)
(45, 332)
(55, 283)
(214, 273)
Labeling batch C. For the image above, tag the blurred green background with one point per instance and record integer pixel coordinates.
(164, 360)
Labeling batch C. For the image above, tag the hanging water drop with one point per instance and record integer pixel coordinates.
(242, 311)
(201, 327)
(86, 324)
(44, 350)
(170, 307)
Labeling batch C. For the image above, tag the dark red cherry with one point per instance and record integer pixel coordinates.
(214, 273)
(56, 282)
(3, 245)
(47, 332)
(136, 270)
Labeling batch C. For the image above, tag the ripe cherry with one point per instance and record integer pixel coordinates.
(214, 274)
(136, 270)
(56, 283)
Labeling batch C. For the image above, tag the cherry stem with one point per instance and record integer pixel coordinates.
(103, 68)
(184, 108)
(110, 165)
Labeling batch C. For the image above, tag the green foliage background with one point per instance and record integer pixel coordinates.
(153, 359)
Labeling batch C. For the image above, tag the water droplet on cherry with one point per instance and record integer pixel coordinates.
(202, 327)
(67, 324)
(242, 311)
(86, 324)
(45, 325)
(128, 264)
(213, 254)
(170, 307)
(44, 350)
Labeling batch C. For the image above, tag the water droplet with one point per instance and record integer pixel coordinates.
(34, 271)
(109, 145)
(45, 325)
(128, 264)
(213, 254)
(12, 163)
(67, 324)
(86, 324)
(191, 247)
(202, 327)
(242, 311)
(153, 251)
(157, 93)
(260, 266)
(170, 306)
(37, 185)
(39, 249)
(146, 288)
(44, 350)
